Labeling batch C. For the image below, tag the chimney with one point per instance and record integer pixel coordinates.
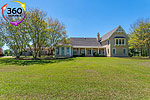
(98, 36)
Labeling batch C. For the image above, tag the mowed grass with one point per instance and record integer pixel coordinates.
(87, 78)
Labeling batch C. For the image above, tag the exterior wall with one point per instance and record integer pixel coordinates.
(104, 43)
(119, 49)
(65, 51)
(107, 47)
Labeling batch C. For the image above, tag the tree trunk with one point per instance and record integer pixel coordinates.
(49, 52)
(35, 55)
(141, 52)
(18, 56)
(148, 53)
(40, 53)
(25, 53)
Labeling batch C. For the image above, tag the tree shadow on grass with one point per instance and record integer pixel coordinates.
(12, 61)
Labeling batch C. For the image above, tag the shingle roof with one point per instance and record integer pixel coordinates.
(109, 34)
(90, 41)
(84, 42)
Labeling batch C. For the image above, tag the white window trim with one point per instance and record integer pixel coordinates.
(121, 41)
(115, 51)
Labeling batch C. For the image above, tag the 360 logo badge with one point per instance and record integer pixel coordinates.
(14, 12)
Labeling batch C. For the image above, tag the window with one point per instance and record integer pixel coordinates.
(124, 51)
(107, 42)
(68, 50)
(114, 51)
(108, 51)
(82, 51)
(62, 50)
(88, 51)
(103, 51)
(117, 42)
(99, 51)
(74, 51)
(123, 41)
(120, 41)
(57, 51)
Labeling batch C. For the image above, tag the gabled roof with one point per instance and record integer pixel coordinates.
(109, 34)
(84, 42)
(91, 42)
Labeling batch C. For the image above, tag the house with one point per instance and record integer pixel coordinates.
(1, 51)
(112, 44)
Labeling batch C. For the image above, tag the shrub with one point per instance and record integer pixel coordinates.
(2, 55)
(95, 54)
(82, 55)
(130, 54)
(102, 56)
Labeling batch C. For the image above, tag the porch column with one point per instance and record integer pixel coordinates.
(98, 51)
(85, 51)
(78, 51)
(104, 52)
(70, 51)
(59, 50)
(65, 51)
(91, 51)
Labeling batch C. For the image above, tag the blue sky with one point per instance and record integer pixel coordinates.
(84, 18)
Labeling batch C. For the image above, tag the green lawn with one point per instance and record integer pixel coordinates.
(86, 78)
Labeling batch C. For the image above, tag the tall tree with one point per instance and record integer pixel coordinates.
(55, 33)
(139, 37)
(36, 29)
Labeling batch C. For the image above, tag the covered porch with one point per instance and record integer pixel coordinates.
(87, 51)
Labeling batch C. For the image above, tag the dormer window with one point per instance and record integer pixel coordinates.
(120, 41)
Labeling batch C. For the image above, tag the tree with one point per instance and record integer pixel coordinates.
(1, 44)
(140, 36)
(55, 33)
(34, 33)
(8, 52)
(36, 29)
(12, 36)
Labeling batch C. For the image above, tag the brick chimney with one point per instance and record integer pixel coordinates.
(98, 36)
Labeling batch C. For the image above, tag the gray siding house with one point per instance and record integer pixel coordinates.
(112, 44)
